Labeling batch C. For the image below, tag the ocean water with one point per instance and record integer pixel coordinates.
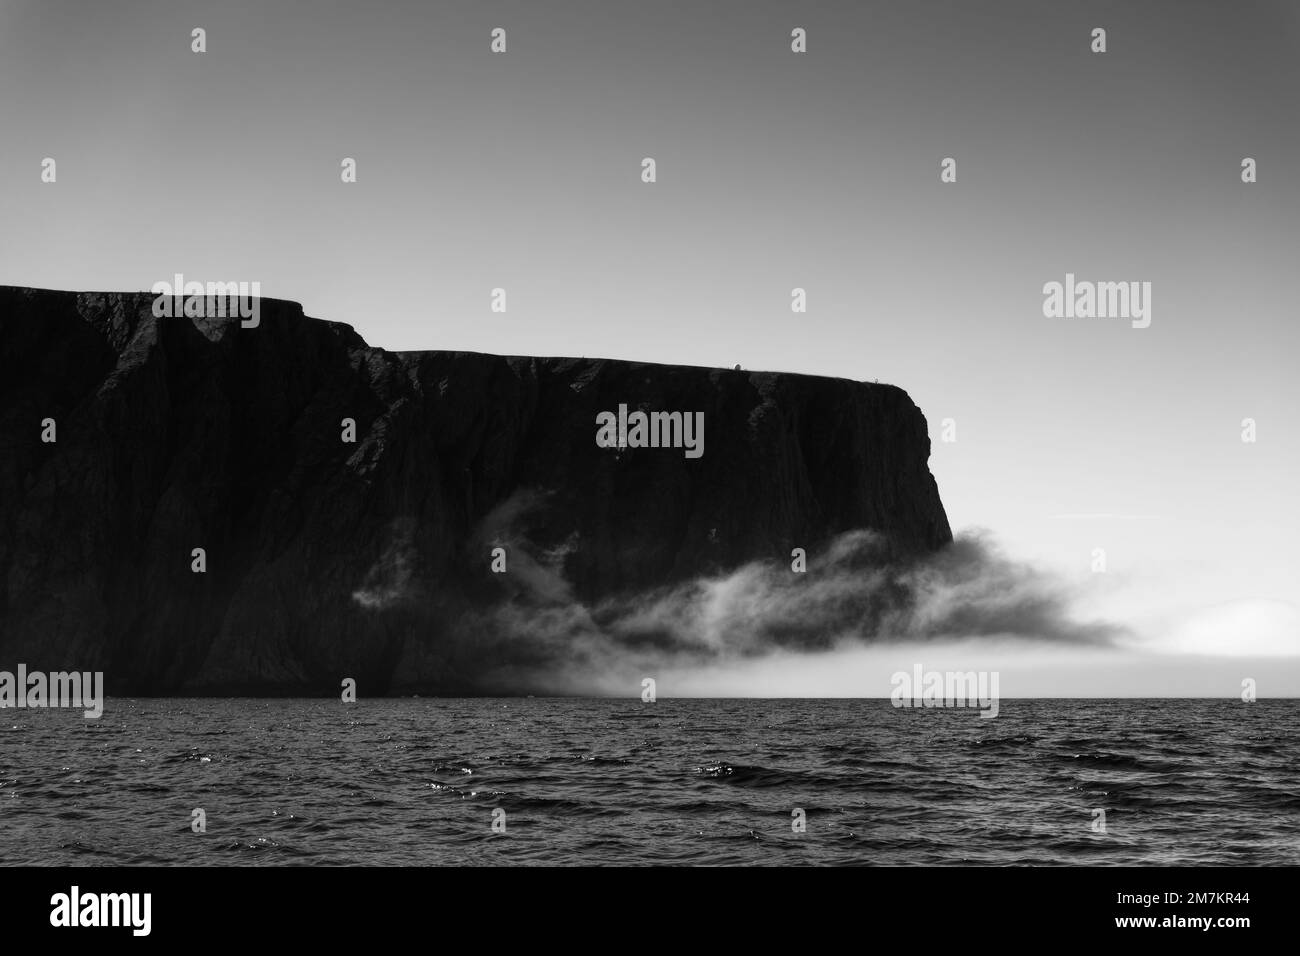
(417, 781)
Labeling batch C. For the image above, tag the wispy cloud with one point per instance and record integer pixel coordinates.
(849, 596)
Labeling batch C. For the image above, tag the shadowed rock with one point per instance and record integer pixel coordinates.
(327, 559)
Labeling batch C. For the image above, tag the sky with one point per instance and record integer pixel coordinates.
(775, 170)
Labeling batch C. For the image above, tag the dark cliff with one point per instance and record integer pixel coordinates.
(329, 559)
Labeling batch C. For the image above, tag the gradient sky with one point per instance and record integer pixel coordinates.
(775, 170)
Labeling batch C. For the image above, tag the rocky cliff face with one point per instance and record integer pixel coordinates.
(369, 559)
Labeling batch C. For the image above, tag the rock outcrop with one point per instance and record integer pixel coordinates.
(327, 558)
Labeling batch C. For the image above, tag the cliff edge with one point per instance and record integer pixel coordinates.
(326, 558)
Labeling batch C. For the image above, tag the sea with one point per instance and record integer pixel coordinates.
(731, 782)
